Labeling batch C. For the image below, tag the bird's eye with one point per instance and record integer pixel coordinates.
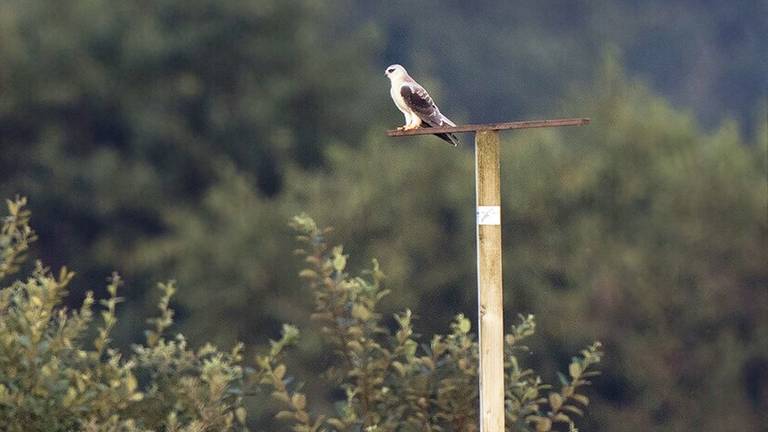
(390, 70)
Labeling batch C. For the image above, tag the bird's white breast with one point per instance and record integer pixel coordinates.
(394, 91)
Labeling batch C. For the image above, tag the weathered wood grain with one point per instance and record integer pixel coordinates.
(528, 124)
(489, 282)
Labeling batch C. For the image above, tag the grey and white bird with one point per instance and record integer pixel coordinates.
(416, 104)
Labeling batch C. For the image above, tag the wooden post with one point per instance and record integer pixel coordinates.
(489, 290)
(490, 299)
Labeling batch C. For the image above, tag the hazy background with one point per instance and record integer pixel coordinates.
(173, 139)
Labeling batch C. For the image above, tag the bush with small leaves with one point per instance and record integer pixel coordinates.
(392, 381)
(53, 378)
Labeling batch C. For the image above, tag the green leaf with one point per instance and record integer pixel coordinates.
(285, 415)
(308, 274)
(355, 346)
(339, 260)
(542, 424)
(279, 372)
(399, 367)
(336, 423)
(240, 414)
(464, 325)
(574, 410)
(581, 399)
(280, 396)
(361, 312)
(299, 401)
(575, 370)
(555, 401)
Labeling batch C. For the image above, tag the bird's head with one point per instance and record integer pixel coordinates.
(396, 73)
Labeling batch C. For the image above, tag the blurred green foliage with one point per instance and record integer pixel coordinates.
(174, 139)
(650, 235)
(639, 230)
(499, 60)
(108, 110)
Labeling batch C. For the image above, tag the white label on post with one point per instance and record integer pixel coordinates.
(488, 215)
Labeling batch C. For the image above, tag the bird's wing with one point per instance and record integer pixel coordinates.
(419, 101)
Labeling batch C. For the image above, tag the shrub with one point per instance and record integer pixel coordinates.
(394, 382)
(58, 371)
(54, 377)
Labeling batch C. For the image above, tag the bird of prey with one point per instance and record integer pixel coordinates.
(416, 104)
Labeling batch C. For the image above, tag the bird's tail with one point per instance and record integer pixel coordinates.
(447, 137)
(450, 138)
